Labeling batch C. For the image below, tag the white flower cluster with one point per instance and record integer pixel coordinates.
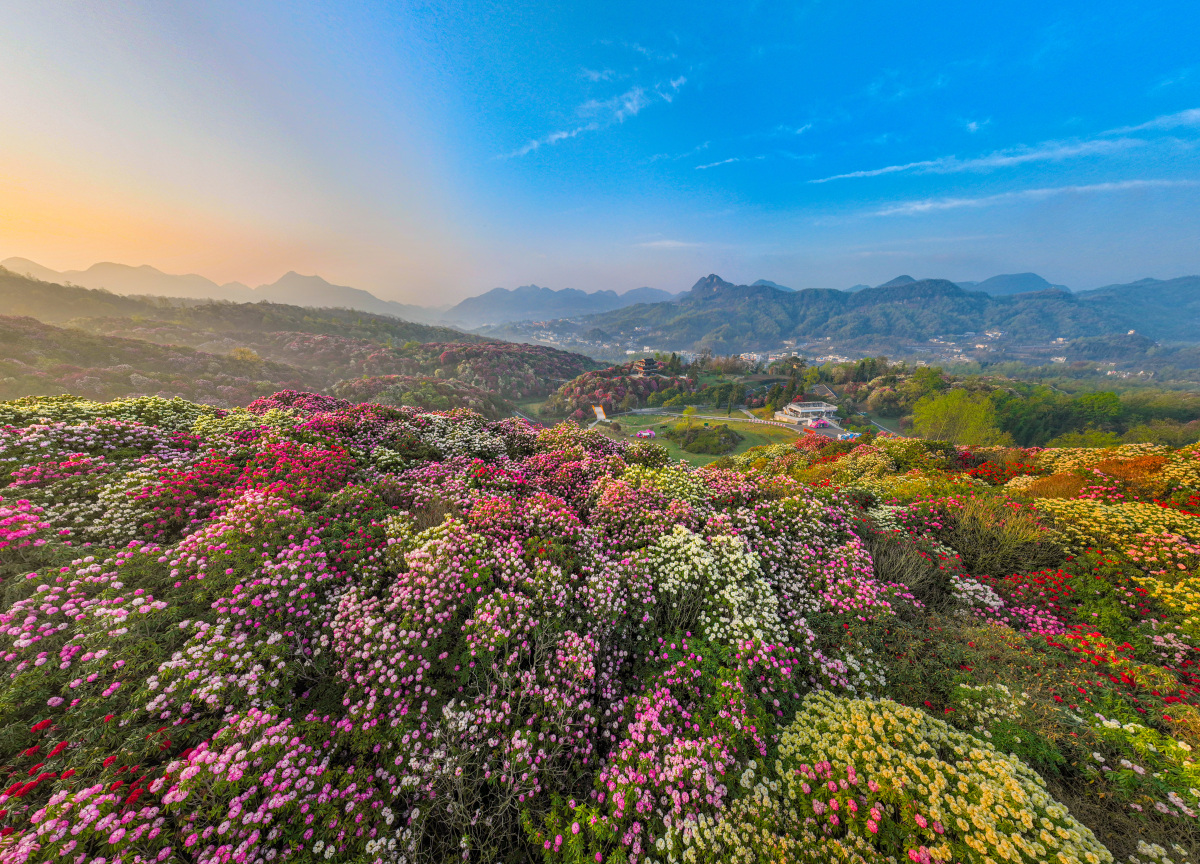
(460, 434)
(973, 594)
(862, 672)
(1152, 853)
(981, 705)
(716, 582)
(387, 461)
(122, 515)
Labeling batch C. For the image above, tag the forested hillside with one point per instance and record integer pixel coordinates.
(60, 304)
(228, 354)
(40, 360)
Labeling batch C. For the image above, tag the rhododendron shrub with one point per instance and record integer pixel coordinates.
(316, 630)
(909, 789)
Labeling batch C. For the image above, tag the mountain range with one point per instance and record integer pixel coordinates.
(724, 317)
(714, 313)
(530, 302)
(497, 306)
(94, 309)
(997, 286)
(291, 288)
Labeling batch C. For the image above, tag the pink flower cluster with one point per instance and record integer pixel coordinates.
(21, 525)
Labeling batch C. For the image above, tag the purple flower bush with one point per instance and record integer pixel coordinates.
(316, 630)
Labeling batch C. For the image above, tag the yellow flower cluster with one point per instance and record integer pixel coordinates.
(1058, 459)
(1084, 524)
(1183, 467)
(864, 462)
(918, 484)
(906, 787)
(1181, 597)
(912, 452)
(1021, 481)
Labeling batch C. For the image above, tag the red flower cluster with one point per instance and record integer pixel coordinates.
(1047, 589)
(995, 474)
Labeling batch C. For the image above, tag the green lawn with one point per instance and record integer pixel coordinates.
(892, 424)
(531, 406)
(754, 435)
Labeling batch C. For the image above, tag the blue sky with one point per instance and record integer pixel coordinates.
(431, 151)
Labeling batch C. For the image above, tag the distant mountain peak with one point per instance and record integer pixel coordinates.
(1014, 283)
(898, 281)
(769, 284)
(710, 284)
(535, 303)
(646, 295)
(293, 276)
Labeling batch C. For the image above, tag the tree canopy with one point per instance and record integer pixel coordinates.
(958, 416)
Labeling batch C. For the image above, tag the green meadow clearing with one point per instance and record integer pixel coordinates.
(753, 434)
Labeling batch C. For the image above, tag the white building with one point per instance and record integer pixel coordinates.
(806, 412)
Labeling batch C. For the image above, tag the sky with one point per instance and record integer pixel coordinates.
(432, 151)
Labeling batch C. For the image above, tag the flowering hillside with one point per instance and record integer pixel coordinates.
(513, 370)
(617, 388)
(441, 394)
(311, 630)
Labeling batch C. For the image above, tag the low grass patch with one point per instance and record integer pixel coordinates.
(753, 434)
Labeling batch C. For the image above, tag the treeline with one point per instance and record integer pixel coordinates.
(1036, 415)
(1028, 413)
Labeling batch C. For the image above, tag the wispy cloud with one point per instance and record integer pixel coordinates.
(597, 74)
(658, 157)
(667, 92)
(1046, 152)
(891, 86)
(1190, 117)
(1179, 77)
(783, 130)
(618, 108)
(602, 113)
(931, 205)
(535, 144)
(667, 244)
(974, 126)
(650, 53)
(1104, 143)
(730, 161)
(877, 172)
